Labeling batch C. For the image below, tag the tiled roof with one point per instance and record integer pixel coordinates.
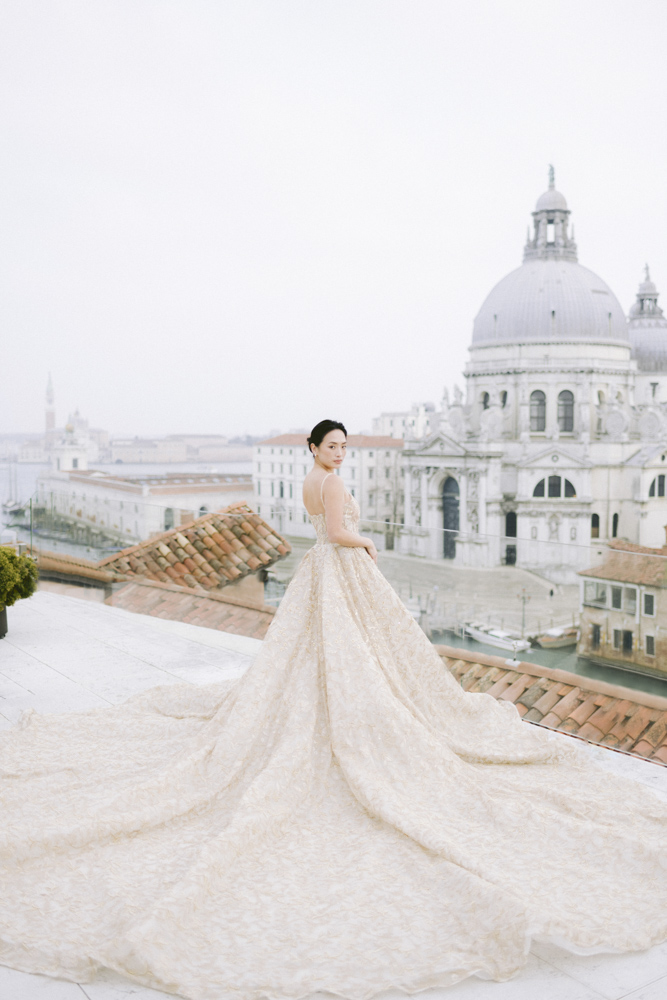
(206, 554)
(214, 610)
(353, 440)
(630, 563)
(593, 710)
(57, 563)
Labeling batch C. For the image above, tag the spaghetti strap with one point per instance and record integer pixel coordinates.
(322, 487)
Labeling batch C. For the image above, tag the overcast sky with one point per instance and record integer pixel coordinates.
(236, 216)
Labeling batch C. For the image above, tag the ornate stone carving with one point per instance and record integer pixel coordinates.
(473, 516)
(473, 485)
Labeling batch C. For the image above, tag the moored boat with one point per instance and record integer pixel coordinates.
(498, 637)
(554, 638)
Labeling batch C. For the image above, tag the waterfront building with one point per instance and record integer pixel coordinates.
(372, 472)
(129, 507)
(560, 441)
(623, 620)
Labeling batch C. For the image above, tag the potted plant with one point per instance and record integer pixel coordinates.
(18, 578)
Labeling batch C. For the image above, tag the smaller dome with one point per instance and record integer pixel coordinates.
(551, 201)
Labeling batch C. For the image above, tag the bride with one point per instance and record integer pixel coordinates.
(342, 818)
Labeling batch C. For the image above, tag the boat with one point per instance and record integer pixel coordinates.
(554, 638)
(12, 507)
(498, 637)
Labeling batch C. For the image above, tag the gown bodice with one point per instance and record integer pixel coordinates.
(351, 514)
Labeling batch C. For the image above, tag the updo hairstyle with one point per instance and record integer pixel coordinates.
(320, 431)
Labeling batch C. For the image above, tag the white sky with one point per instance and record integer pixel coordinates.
(236, 216)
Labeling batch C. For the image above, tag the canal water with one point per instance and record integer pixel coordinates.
(563, 659)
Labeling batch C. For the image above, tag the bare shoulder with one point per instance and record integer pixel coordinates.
(333, 486)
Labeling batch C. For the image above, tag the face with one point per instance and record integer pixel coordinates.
(331, 450)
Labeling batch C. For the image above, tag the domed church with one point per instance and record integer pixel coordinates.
(561, 439)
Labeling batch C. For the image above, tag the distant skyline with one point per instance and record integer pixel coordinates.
(229, 218)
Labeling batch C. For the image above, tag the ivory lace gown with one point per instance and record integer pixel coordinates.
(344, 817)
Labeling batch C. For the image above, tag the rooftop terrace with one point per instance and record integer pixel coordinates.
(63, 654)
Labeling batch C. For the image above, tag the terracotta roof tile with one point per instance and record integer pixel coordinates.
(602, 713)
(59, 564)
(626, 562)
(206, 554)
(213, 610)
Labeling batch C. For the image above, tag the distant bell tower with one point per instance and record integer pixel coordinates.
(50, 412)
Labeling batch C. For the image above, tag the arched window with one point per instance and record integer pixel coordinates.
(595, 525)
(565, 411)
(485, 400)
(538, 411)
(614, 526)
(202, 511)
(503, 399)
(657, 487)
(510, 524)
(556, 487)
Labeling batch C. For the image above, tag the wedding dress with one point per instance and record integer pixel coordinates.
(342, 818)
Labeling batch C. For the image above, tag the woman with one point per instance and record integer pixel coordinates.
(342, 818)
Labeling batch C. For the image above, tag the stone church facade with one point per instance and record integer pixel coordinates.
(560, 441)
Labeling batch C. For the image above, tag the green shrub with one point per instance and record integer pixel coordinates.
(18, 576)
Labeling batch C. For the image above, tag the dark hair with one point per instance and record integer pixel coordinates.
(320, 431)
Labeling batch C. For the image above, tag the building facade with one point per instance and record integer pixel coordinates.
(623, 606)
(132, 507)
(560, 440)
(373, 473)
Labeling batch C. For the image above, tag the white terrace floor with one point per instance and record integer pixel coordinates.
(64, 654)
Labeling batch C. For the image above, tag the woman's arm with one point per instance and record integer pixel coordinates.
(333, 494)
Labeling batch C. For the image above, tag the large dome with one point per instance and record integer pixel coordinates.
(550, 300)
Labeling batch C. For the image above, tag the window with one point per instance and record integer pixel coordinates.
(271, 466)
(650, 645)
(485, 400)
(659, 481)
(617, 598)
(259, 489)
(558, 487)
(630, 600)
(538, 411)
(503, 399)
(290, 491)
(614, 526)
(370, 473)
(352, 492)
(387, 498)
(281, 489)
(387, 473)
(595, 594)
(649, 605)
(272, 485)
(595, 636)
(370, 454)
(290, 470)
(75, 463)
(617, 638)
(627, 642)
(595, 525)
(566, 411)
